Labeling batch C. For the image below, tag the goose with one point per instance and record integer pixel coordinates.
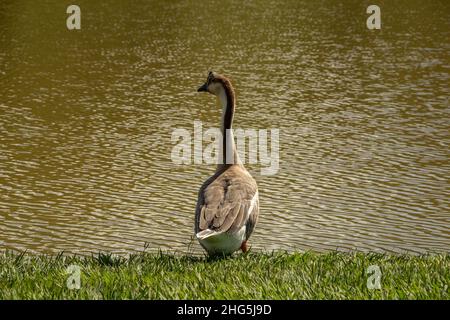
(228, 202)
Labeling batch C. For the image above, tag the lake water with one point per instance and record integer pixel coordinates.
(86, 119)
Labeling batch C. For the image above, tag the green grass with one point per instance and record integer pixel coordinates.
(253, 276)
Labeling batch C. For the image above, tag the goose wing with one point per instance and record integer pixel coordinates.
(227, 203)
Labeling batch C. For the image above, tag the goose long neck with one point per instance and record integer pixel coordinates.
(227, 101)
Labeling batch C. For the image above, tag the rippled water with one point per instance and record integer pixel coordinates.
(86, 119)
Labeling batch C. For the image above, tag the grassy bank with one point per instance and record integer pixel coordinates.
(253, 276)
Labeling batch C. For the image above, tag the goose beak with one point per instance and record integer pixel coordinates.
(203, 88)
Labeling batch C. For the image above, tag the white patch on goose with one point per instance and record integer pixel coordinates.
(252, 203)
(223, 242)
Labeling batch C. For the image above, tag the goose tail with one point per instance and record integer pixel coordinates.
(206, 234)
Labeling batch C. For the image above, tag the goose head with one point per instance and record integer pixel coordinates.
(215, 84)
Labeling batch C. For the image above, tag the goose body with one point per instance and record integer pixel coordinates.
(228, 202)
